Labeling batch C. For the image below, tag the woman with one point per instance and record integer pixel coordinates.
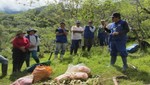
(20, 46)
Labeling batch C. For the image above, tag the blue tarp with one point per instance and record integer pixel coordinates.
(133, 48)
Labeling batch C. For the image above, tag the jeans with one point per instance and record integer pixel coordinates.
(60, 48)
(34, 55)
(74, 46)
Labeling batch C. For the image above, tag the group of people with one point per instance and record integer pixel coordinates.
(115, 33)
(23, 47)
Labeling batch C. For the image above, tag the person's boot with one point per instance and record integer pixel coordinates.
(4, 69)
(125, 65)
(113, 60)
(37, 60)
(56, 56)
(61, 57)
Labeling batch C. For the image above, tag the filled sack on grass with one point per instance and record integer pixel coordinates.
(26, 80)
(79, 75)
(62, 77)
(41, 72)
(79, 71)
(78, 68)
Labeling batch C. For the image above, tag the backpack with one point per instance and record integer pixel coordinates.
(38, 47)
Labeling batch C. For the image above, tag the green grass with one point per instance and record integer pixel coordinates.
(98, 62)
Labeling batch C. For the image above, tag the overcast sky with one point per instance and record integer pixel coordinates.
(21, 4)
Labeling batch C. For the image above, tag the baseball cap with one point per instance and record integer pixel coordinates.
(116, 14)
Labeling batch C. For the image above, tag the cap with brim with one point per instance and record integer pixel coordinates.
(62, 23)
(115, 15)
(77, 22)
(90, 21)
(102, 20)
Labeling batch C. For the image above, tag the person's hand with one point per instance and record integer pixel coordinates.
(104, 25)
(32, 46)
(115, 33)
(23, 49)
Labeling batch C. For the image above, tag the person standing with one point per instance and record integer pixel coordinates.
(34, 43)
(88, 36)
(61, 40)
(76, 36)
(20, 49)
(118, 37)
(102, 34)
(4, 62)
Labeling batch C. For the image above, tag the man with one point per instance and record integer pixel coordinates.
(118, 37)
(102, 34)
(34, 43)
(88, 36)
(61, 40)
(4, 62)
(76, 36)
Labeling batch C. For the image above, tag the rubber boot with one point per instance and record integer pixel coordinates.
(4, 69)
(61, 57)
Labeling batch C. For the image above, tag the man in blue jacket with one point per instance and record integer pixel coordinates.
(118, 37)
(61, 40)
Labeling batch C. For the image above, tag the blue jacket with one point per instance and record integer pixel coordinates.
(88, 33)
(121, 27)
(61, 38)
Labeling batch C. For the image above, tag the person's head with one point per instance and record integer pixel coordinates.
(90, 22)
(102, 22)
(20, 33)
(31, 31)
(62, 24)
(116, 17)
(78, 23)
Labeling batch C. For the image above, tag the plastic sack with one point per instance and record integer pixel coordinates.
(78, 75)
(79, 71)
(26, 80)
(62, 77)
(78, 68)
(41, 72)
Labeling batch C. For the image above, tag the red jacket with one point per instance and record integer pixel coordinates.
(20, 42)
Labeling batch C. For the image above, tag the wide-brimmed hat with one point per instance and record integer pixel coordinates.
(31, 29)
(20, 32)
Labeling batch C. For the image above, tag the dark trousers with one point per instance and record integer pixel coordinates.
(87, 44)
(102, 41)
(18, 58)
(118, 47)
(74, 46)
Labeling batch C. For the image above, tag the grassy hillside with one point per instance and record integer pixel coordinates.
(98, 62)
